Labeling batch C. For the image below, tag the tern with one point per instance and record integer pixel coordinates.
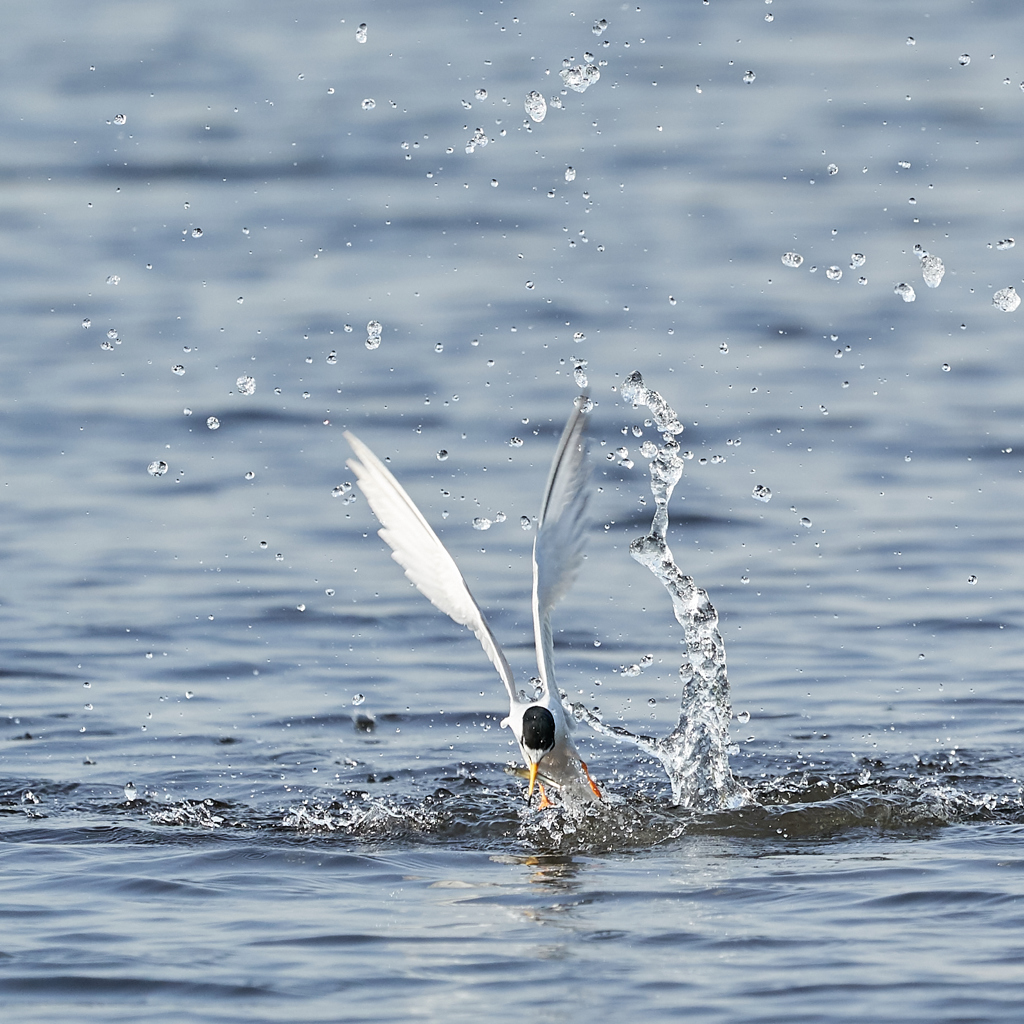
(542, 727)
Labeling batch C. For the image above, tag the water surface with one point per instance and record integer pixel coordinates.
(321, 827)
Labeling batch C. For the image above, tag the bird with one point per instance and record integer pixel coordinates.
(542, 727)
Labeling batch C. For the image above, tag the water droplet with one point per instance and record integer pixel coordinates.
(599, 27)
(178, 369)
(905, 292)
(481, 523)
(332, 357)
(749, 77)
(114, 279)
(792, 259)
(945, 367)
(368, 104)
(246, 385)
(120, 118)
(761, 493)
(581, 77)
(341, 490)
(516, 442)
(157, 468)
(442, 455)
(743, 717)
(279, 557)
(264, 545)
(130, 792)
(536, 106)
(86, 323)
(858, 259)
(329, 591)
(932, 270)
(213, 423)
(832, 168)
(965, 59)
(833, 273)
(478, 138)
(972, 579)
(1005, 243)
(526, 522)
(481, 94)
(580, 377)
(1006, 299)
(578, 337)
(648, 449)
(361, 33)
(530, 285)
(806, 523)
(570, 174)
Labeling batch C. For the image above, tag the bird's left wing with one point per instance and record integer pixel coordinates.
(561, 533)
(417, 549)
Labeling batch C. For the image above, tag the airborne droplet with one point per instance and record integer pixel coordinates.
(536, 106)
(932, 270)
(1006, 299)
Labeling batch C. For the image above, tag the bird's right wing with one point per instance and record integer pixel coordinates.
(417, 549)
(561, 533)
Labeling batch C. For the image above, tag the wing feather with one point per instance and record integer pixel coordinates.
(417, 549)
(561, 533)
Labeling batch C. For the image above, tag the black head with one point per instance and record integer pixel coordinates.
(538, 729)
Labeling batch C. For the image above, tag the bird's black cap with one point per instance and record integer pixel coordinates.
(538, 729)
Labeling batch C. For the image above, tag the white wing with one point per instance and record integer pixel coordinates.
(417, 549)
(561, 534)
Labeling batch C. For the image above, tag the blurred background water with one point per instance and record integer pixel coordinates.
(246, 771)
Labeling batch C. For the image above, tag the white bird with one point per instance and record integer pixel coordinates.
(542, 727)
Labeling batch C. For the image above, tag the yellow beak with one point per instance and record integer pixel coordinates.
(533, 781)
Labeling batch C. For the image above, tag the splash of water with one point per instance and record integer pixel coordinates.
(696, 753)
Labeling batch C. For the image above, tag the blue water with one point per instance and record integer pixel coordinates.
(320, 826)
